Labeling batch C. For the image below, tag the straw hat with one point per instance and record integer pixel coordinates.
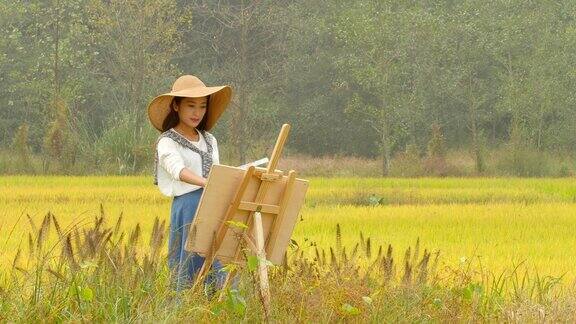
(191, 87)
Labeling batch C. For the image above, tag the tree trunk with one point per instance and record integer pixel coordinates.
(385, 160)
(56, 69)
(385, 146)
(241, 137)
(476, 149)
(478, 159)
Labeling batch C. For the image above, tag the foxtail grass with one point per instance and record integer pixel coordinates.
(101, 272)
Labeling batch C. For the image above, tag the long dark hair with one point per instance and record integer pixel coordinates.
(172, 119)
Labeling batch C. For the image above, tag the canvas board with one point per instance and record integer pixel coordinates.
(223, 182)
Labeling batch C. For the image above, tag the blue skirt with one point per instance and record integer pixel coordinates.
(184, 266)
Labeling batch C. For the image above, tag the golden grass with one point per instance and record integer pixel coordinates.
(500, 236)
(501, 222)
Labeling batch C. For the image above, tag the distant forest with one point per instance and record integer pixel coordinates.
(385, 80)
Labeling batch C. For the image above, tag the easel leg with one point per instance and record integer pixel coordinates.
(260, 246)
(206, 265)
(262, 267)
(229, 277)
(260, 250)
(201, 274)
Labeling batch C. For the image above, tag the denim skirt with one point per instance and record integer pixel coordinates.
(184, 266)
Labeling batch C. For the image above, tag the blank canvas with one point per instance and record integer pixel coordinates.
(219, 192)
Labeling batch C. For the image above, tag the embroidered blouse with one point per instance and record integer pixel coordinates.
(173, 156)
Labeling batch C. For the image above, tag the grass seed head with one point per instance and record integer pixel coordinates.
(43, 231)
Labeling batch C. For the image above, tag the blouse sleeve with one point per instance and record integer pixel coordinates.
(169, 158)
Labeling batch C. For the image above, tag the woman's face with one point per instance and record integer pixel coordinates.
(191, 111)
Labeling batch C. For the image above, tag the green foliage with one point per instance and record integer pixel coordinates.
(83, 293)
(125, 147)
(523, 162)
(241, 44)
(374, 200)
(348, 309)
(472, 290)
(363, 78)
(235, 303)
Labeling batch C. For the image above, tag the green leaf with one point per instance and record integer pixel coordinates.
(374, 200)
(86, 294)
(217, 309)
(349, 309)
(237, 224)
(88, 264)
(235, 302)
(252, 263)
(437, 302)
(471, 290)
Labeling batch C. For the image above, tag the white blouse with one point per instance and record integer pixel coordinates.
(173, 157)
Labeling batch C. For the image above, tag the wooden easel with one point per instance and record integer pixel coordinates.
(259, 245)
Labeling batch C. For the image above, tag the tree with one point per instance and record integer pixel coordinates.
(240, 42)
(134, 43)
(380, 51)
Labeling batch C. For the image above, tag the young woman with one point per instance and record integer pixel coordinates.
(185, 154)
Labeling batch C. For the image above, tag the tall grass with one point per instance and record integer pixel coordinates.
(100, 272)
(503, 220)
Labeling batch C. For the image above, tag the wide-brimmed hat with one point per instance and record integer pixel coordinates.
(191, 87)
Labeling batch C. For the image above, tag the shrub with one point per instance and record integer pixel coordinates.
(60, 146)
(20, 146)
(522, 162)
(435, 163)
(408, 163)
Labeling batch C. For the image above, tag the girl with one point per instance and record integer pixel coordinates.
(185, 154)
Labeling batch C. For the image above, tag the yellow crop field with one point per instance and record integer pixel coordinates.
(496, 223)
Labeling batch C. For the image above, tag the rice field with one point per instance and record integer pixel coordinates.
(497, 224)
